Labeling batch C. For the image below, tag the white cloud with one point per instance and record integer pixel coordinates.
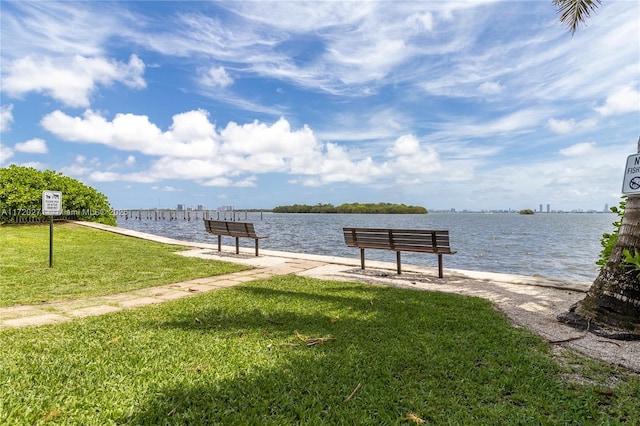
(69, 80)
(130, 161)
(192, 126)
(424, 20)
(192, 149)
(518, 121)
(406, 145)
(100, 176)
(5, 155)
(169, 188)
(623, 100)
(491, 88)
(215, 77)
(6, 117)
(337, 165)
(190, 135)
(260, 138)
(35, 164)
(106, 177)
(190, 169)
(77, 170)
(249, 182)
(32, 146)
(82, 166)
(569, 126)
(409, 158)
(585, 172)
(218, 181)
(578, 149)
(94, 161)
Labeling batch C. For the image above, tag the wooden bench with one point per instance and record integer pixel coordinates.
(232, 229)
(399, 240)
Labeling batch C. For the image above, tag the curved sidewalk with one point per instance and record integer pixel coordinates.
(55, 312)
(528, 302)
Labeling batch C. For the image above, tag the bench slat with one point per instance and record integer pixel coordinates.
(232, 229)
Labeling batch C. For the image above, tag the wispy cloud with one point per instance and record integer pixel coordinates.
(6, 117)
(61, 28)
(570, 125)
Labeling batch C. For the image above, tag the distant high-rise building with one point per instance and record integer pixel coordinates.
(180, 206)
(201, 207)
(606, 208)
(548, 208)
(540, 208)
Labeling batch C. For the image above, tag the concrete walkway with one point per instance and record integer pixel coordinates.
(55, 312)
(528, 302)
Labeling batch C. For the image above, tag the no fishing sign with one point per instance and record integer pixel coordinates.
(51, 206)
(631, 183)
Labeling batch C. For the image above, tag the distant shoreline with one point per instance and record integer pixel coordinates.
(368, 208)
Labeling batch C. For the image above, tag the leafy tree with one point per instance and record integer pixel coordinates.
(612, 304)
(21, 194)
(381, 208)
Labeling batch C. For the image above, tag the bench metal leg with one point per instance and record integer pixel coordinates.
(362, 258)
(439, 266)
(256, 246)
(219, 242)
(237, 245)
(398, 261)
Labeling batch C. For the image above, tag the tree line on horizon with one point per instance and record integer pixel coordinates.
(372, 208)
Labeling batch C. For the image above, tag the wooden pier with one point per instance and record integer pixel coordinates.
(179, 215)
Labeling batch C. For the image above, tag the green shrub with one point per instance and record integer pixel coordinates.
(608, 240)
(21, 194)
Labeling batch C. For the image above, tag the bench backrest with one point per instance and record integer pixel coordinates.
(232, 229)
(416, 240)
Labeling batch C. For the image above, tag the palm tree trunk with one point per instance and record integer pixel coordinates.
(612, 305)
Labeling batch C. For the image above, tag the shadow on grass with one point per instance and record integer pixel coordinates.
(391, 354)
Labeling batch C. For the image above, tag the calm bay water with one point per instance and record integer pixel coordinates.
(563, 246)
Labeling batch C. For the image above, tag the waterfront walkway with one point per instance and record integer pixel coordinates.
(528, 302)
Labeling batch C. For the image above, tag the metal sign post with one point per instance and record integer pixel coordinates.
(51, 206)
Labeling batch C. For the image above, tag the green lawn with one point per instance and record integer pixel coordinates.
(239, 356)
(88, 262)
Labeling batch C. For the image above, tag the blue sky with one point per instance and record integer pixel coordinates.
(466, 105)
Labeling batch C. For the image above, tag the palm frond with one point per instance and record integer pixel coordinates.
(575, 12)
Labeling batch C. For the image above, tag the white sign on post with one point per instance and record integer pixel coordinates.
(51, 203)
(631, 183)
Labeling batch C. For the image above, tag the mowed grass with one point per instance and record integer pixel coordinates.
(88, 262)
(246, 355)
